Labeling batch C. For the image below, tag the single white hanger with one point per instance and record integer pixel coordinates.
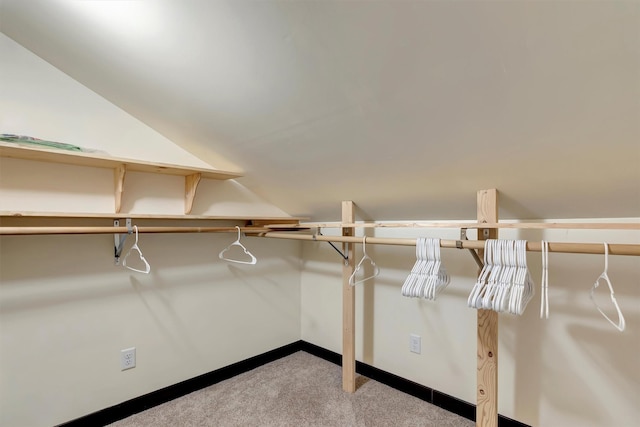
(136, 248)
(544, 285)
(494, 280)
(246, 251)
(507, 273)
(407, 287)
(522, 287)
(621, 324)
(438, 278)
(417, 290)
(475, 297)
(365, 257)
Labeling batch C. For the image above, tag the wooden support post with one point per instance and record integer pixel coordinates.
(487, 381)
(348, 304)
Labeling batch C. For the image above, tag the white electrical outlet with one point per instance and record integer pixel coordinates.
(128, 358)
(414, 343)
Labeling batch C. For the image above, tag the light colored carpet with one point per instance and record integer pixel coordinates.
(297, 390)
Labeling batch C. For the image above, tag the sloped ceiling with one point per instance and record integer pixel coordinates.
(407, 108)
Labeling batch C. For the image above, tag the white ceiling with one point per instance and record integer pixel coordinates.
(405, 107)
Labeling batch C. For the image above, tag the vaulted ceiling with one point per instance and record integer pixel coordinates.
(405, 107)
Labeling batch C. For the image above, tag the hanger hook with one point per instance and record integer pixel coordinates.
(135, 228)
(238, 232)
(364, 245)
(606, 257)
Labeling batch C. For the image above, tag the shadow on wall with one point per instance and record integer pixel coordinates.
(42, 271)
(558, 361)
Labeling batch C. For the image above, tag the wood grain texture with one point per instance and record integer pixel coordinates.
(19, 231)
(100, 161)
(87, 215)
(475, 225)
(190, 187)
(119, 174)
(487, 376)
(348, 304)
(557, 247)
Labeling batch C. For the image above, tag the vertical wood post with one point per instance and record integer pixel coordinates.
(348, 304)
(487, 381)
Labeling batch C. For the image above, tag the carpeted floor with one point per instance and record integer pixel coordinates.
(297, 390)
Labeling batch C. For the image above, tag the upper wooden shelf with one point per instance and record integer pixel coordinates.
(101, 161)
(120, 167)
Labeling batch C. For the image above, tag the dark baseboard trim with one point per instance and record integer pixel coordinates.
(322, 353)
(158, 397)
(444, 401)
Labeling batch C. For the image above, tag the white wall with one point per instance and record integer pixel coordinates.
(66, 310)
(573, 369)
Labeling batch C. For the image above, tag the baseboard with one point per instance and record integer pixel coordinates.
(158, 397)
(443, 400)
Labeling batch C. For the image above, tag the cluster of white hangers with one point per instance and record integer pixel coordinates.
(504, 284)
(427, 277)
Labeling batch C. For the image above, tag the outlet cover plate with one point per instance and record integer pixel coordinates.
(128, 358)
(415, 343)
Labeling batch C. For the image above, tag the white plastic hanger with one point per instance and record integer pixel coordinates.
(407, 287)
(475, 297)
(246, 251)
(621, 324)
(136, 248)
(544, 285)
(524, 287)
(507, 268)
(494, 281)
(438, 279)
(417, 290)
(365, 257)
(504, 284)
(427, 277)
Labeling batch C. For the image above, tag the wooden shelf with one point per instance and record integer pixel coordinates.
(120, 167)
(100, 161)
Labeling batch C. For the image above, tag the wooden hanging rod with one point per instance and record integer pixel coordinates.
(472, 225)
(560, 247)
(579, 248)
(18, 231)
(83, 215)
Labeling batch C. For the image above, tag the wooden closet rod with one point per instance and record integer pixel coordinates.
(560, 247)
(15, 231)
(578, 248)
(472, 225)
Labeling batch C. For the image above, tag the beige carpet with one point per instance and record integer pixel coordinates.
(297, 390)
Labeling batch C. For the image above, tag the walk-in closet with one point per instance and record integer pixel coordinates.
(314, 213)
